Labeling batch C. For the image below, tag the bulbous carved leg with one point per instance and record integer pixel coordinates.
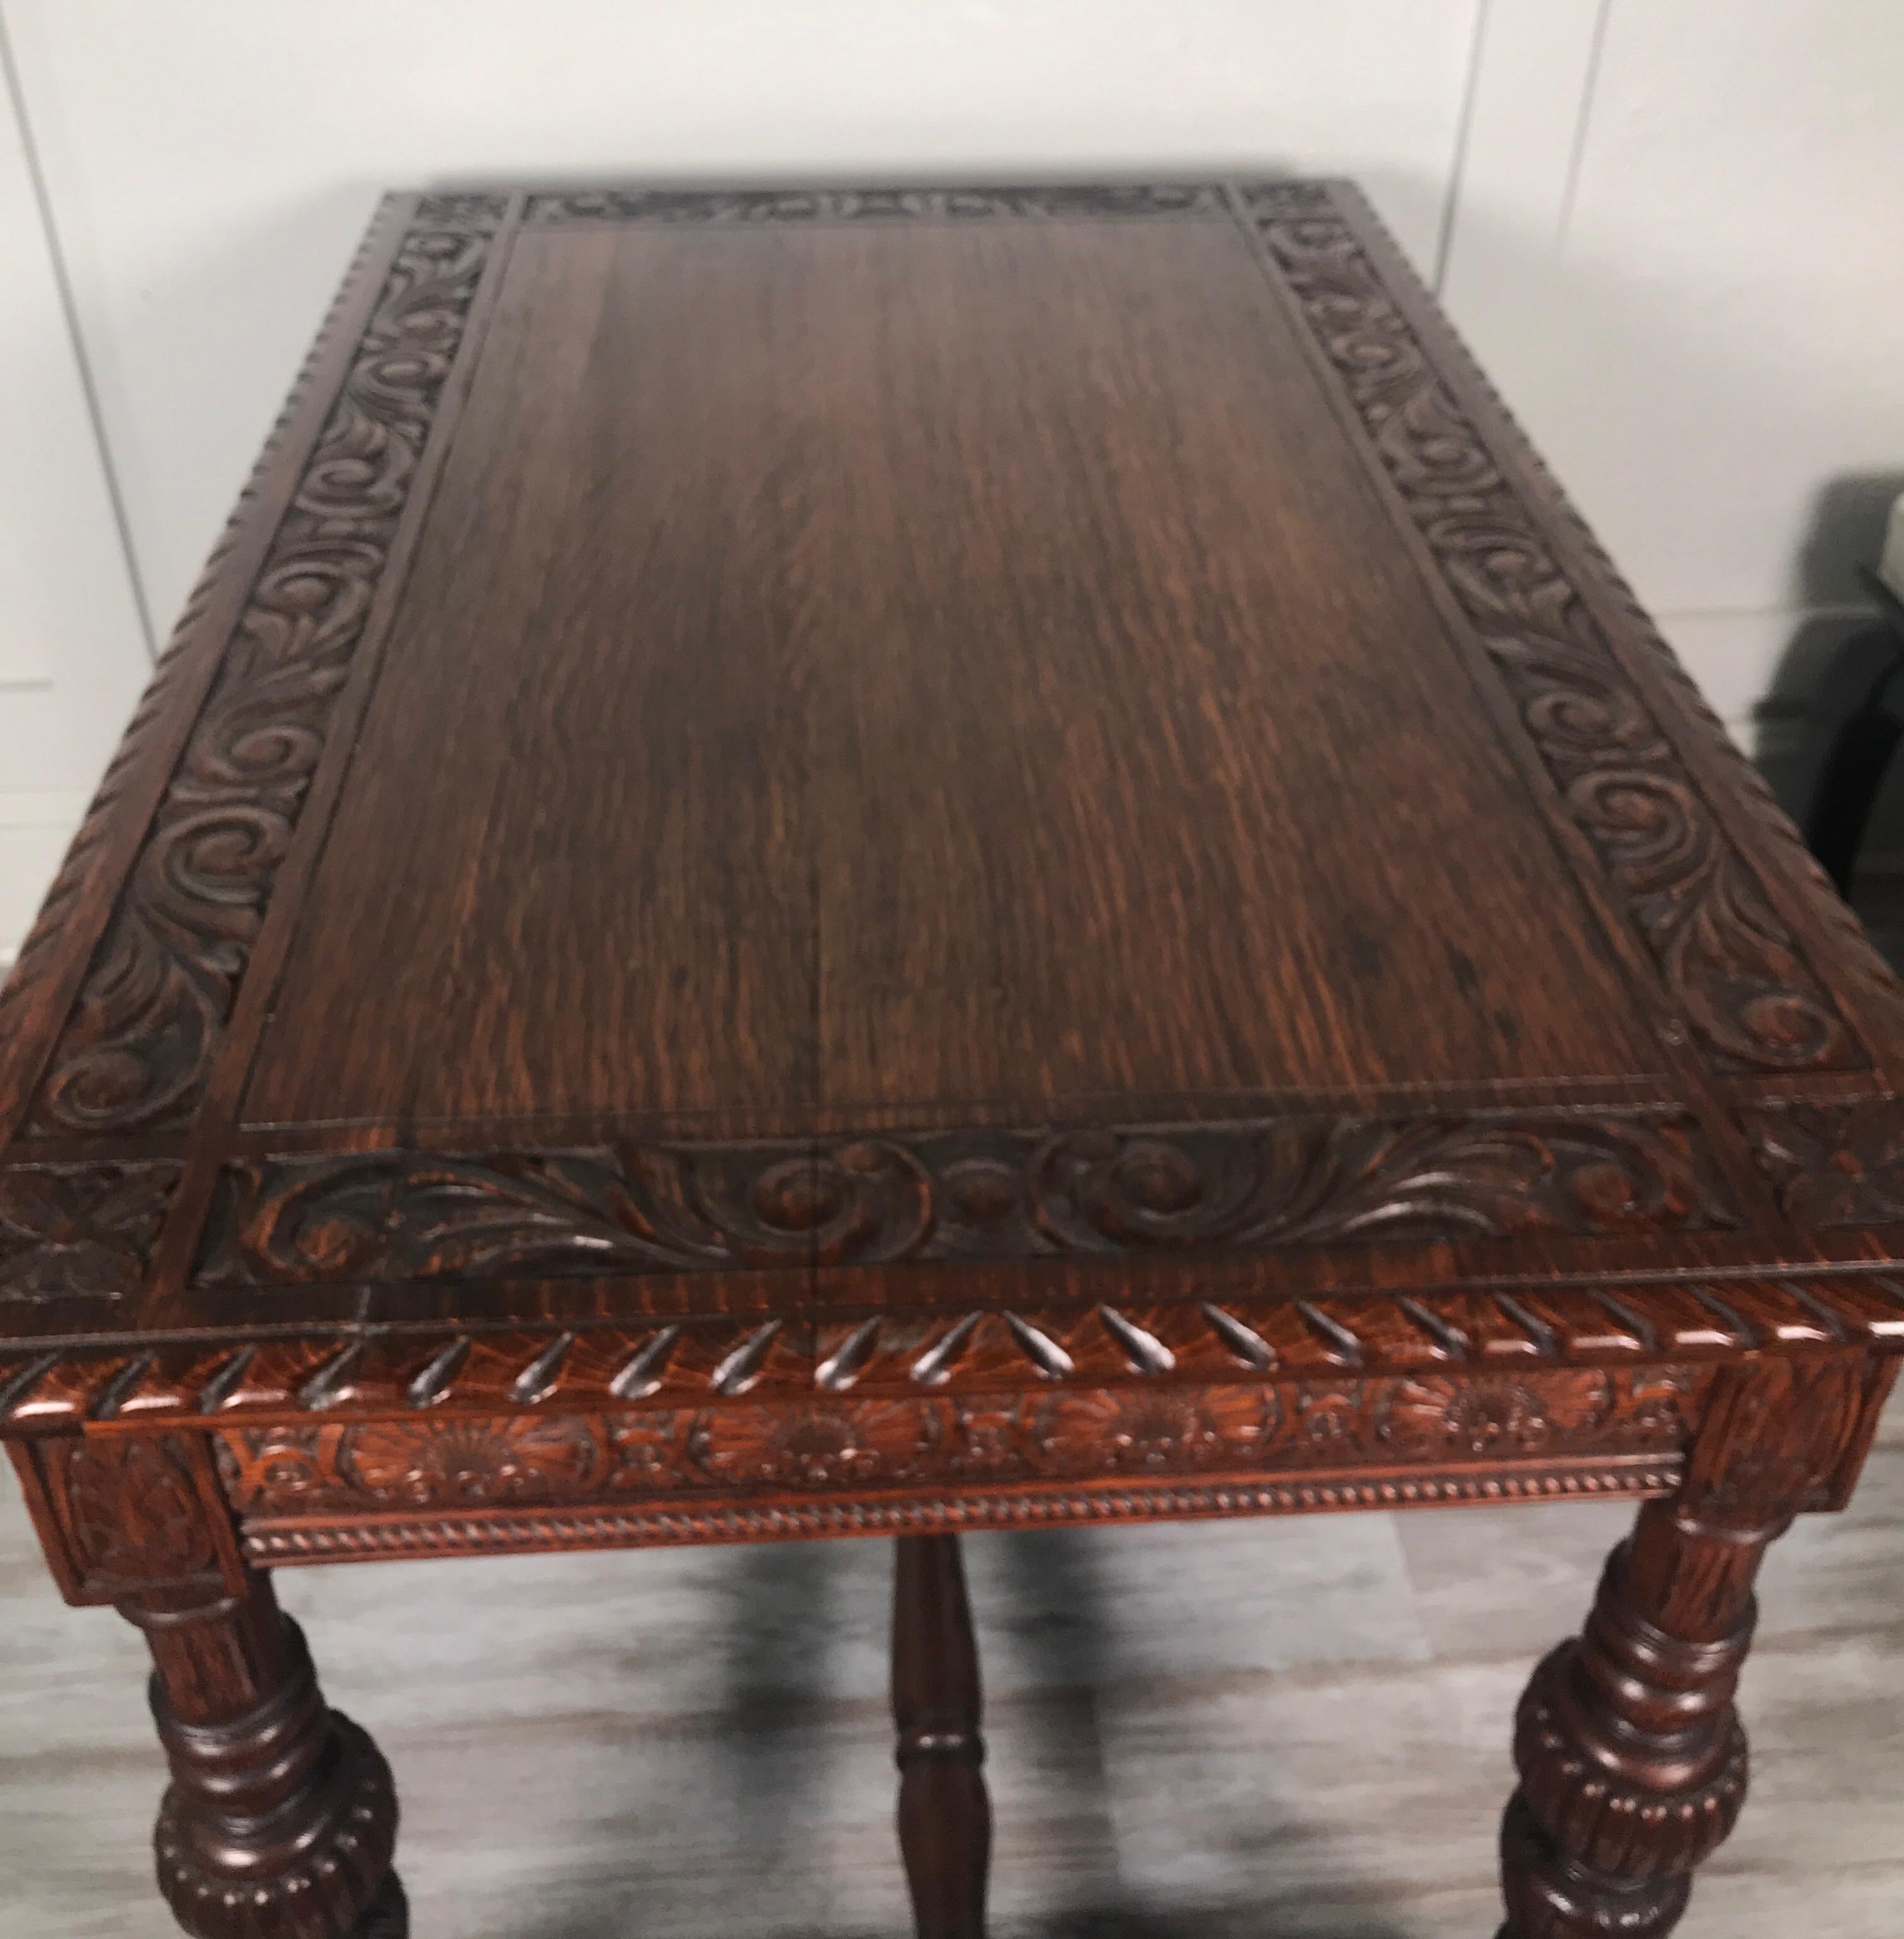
(1632, 1760)
(282, 1818)
(945, 1817)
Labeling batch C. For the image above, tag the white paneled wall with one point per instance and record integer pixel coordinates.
(215, 159)
(1679, 248)
(73, 653)
(1669, 228)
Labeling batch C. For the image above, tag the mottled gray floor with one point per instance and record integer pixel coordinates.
(1267, 1729)
(1284, 1730)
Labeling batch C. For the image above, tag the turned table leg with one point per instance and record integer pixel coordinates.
(281, 1819)
(1631, 1757)
(945, 1817)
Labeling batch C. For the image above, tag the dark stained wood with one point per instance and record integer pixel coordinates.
(824, 863)
(945, 1816)
(822, 654)
(281, 1818)
(592, 732)
(1632, 1758)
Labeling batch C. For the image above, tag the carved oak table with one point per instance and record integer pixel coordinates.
(849, 864)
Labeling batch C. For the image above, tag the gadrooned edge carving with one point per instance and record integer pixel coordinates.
(138, 1045)
(750, 205)
(1730, 965)
(342, 1873)
(1620, 1828)
(282, 1545)
(383, 1216)
(356, 1373)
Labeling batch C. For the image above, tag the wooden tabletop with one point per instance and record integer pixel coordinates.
(876, 789)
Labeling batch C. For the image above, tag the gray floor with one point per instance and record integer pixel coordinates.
(1277, 1729)
(1268, 1730)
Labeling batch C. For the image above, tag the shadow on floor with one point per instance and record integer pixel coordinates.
(1044, 1606)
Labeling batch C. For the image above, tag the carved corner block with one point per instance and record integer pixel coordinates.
(120, 1514)
(1781, 1437)
(1880, 1374)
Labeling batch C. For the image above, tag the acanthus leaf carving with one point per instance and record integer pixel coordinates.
(1256, 1185)
(131, 1510)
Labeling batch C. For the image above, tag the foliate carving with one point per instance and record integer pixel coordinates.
(810, 1447)
(1429, 1178)
(1876, 987)
(80, 1230)
(1084, 1433)
(131, 1510)
(137, 1048)
(471, 1461)
(461, 211)
(1004, 1194)
(1832, 1164)
(642, 205)
(1774, 1444)
(1730, 963)
(1172, 1431)
(36, 971)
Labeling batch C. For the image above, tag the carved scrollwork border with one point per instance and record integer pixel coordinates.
(1836, 1163)
(36, 975)
(1124, 1191)
(137, 1046)
(729, 206)
(1730, 965)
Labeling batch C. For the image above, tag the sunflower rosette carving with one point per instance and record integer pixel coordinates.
(485, 1463)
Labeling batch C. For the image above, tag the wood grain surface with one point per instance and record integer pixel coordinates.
(838, 862)
(971, 751)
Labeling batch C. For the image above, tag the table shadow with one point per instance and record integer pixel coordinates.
(1044, 1606)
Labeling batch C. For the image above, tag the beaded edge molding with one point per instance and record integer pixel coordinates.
(283, 1545)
